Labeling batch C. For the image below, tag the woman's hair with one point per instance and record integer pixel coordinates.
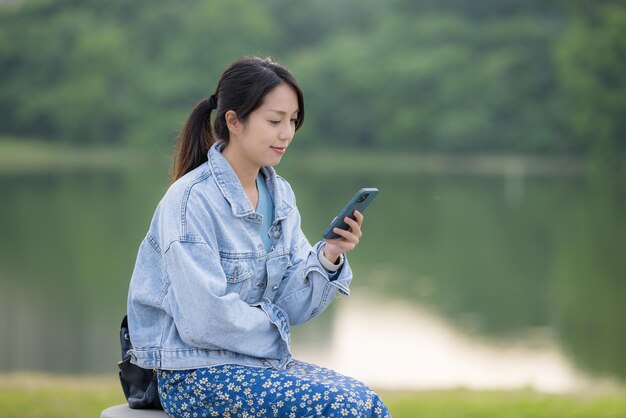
(241, 88)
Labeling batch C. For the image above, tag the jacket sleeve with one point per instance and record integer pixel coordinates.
(207, 317)
(307, 288)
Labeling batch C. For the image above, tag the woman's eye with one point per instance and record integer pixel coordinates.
(294, 120)
(275, 122)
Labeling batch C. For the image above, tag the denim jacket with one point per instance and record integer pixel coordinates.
(205, 292)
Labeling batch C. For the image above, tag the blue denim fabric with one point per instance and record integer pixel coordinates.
(265, 207)
(204, 290)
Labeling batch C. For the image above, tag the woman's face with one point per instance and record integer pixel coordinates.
(263, 138)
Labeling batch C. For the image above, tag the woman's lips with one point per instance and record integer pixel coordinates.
(279, 150)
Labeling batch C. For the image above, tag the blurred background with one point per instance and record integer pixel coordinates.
(495, 254)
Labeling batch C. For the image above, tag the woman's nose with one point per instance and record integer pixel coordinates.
(286, 132)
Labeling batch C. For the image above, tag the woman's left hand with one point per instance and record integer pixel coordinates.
(348, 238)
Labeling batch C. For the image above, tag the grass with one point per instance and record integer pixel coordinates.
(45, 396)
(504, 404)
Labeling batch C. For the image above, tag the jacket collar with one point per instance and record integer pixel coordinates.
(232, 190)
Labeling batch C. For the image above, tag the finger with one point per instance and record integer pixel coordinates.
(343, 233)
(356, 228)
(359, 217)
(347, 235)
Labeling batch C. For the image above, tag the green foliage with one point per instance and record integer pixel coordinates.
(65, 74)
(114, 73)
(437, 82)
(591, 60)
(449, 76)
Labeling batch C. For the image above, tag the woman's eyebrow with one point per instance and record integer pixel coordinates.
(282, 112)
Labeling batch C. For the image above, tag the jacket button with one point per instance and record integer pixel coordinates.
(276, 234)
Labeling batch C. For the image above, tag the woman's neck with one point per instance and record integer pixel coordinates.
(245, 172)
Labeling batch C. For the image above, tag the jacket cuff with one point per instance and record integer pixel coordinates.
(278, 317)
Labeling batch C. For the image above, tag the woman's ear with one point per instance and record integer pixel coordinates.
(232, 122)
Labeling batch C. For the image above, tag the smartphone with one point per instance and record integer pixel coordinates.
(359, 202)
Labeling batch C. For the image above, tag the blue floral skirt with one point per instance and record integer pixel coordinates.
(301, 390)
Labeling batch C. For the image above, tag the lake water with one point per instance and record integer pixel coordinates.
(479, 281)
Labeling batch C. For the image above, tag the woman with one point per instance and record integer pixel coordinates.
(225, 269)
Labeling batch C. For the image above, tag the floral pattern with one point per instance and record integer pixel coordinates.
(301, 390)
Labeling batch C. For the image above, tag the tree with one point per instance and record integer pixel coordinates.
(591, 59)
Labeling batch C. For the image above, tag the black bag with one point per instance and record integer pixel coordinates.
(140, 385)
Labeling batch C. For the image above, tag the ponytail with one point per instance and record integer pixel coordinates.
(195, 139)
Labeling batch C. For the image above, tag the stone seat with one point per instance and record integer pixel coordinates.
(123, 411)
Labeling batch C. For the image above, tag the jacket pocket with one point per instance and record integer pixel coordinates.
(238, 273)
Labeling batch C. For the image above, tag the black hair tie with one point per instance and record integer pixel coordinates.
(213, 102)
